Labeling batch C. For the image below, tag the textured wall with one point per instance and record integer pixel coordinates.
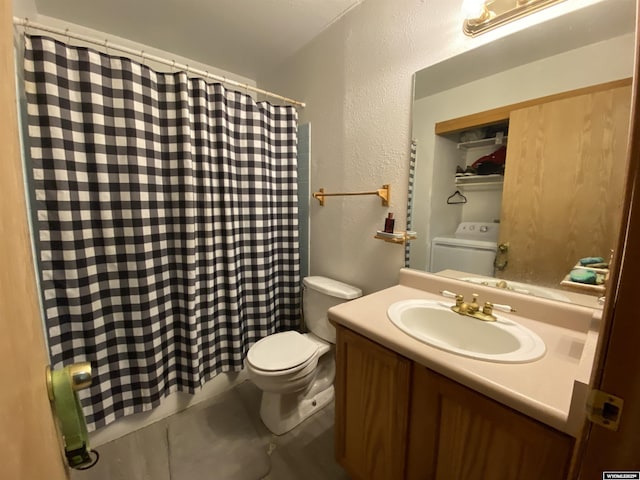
(25, 8)
(356, 78)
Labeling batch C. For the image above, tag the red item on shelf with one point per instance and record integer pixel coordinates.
(498, 157)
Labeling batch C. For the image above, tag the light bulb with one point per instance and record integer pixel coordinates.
(474, 9)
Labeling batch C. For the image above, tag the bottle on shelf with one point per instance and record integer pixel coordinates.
(389, 223)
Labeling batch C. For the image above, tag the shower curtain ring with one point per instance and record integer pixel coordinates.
(66, 32)
(26, 26)
(173, 66)
(106, 46)
(142, 56)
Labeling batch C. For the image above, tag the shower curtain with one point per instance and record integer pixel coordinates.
(166, 223)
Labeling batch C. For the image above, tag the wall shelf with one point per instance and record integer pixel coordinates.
(399, 238)
(480, 180)
(483, 142)
(600, 288)
(584, 287)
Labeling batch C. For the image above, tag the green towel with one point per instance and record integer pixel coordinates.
(580, 275)
(591, 260)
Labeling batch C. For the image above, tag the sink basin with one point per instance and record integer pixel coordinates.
(433, 323)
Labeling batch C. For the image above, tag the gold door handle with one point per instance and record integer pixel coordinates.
(62, 385)
(80, 374)
(502, 257)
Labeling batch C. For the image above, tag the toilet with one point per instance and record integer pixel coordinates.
(296, 371)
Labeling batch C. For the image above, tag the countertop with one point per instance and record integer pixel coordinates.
(552, 389)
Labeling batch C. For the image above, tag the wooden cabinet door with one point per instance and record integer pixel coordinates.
(564, 184)
(456, 433)
(372, 403)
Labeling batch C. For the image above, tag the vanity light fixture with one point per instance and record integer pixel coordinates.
(484, 15)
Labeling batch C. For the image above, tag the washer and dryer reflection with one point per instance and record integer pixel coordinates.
(471, 249)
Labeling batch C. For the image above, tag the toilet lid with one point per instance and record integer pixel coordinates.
(281, 351)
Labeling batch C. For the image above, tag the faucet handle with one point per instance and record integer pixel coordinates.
(504, 308)
(448, 294)
(458, 297)
(474, 306)
(488, 308)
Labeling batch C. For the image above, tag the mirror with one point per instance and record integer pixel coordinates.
(581, 49)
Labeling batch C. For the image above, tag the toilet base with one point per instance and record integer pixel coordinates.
(283, 412)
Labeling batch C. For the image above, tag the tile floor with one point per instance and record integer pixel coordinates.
(221, 439)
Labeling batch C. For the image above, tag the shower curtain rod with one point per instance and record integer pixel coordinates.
(26, 23)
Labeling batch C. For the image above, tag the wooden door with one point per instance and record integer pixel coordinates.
(372, 403)
(617, 369)
(564, 184)
(456, 433)
(29, 445)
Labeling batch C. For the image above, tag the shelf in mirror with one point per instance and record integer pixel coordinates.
(483, 142)
(480, 180)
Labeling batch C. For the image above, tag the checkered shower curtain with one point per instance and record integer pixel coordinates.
(166, 223)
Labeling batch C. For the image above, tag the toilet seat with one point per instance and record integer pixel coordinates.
(282, 351)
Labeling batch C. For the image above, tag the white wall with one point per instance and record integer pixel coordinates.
(25, 8)
(356, 78)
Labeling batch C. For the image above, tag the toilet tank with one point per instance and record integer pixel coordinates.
(320, 294)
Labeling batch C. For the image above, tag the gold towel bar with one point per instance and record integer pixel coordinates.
(384, 193)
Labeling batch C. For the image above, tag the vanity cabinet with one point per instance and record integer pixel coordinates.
(372, 407)
(457, 433)
(396, 419)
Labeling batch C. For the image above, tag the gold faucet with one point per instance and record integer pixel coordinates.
(473, 309)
